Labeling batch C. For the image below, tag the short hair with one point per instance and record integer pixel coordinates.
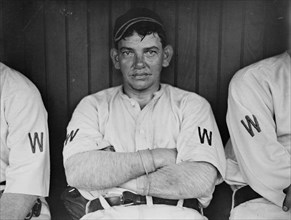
(143, 29)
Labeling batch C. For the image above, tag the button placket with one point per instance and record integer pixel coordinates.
(143, 133)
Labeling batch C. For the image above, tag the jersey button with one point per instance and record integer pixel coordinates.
(132, 103)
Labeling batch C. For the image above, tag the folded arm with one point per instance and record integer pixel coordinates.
(98, 170)
(177, 181)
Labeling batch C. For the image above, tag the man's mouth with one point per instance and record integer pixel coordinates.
(140, 75)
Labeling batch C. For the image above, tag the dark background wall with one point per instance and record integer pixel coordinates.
(63, 47)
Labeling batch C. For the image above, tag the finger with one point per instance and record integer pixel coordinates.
(286, 205)
(287, 200)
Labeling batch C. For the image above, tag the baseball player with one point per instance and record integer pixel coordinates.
(24, 149)
(143, 150)
(258, 155)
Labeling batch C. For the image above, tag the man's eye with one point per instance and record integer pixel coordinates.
(151, 52)
(126, 53)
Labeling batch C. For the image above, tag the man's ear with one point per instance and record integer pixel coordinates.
(115, 58)
(168, 53)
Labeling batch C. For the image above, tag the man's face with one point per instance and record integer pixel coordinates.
(140, 61)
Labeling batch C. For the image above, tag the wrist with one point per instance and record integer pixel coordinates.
(147, 160)
(143, 185)
(163, 157)
(157, 160)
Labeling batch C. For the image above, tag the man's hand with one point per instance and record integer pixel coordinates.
(161, 157)
(16, 206)
(287, 200)
(164, 156)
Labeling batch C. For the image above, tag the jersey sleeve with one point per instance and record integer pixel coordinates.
(83, 132)
(263, 161)
(199, 139)
(28, 171)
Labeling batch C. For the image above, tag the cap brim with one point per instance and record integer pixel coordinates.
(119, 33)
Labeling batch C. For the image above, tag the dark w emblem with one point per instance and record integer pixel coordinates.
(70, 137)
(205, 134)
(36, 140)
(251, 123)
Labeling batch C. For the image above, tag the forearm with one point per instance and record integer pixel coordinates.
(185, 180)
(96, 170)
(177, 181)
(15, 206)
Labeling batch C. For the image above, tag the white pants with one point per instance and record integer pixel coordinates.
(148, 211)
(259, 209)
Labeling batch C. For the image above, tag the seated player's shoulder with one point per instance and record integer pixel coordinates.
(15, 83)
(101, 98)
(259, 71)
(185, 98)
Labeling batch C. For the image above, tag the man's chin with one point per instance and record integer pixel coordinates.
(140, 86)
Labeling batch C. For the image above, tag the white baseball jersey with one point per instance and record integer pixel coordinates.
(259, 122)
(173, 119)
(24, 136)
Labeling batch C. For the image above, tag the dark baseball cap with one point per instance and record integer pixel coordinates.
(132, 17)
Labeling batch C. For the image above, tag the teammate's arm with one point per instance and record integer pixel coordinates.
(262, 159)
(16, 206)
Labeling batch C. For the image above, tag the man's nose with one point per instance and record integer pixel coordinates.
(139, 61)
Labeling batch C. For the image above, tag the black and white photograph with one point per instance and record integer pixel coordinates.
(145, 109)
